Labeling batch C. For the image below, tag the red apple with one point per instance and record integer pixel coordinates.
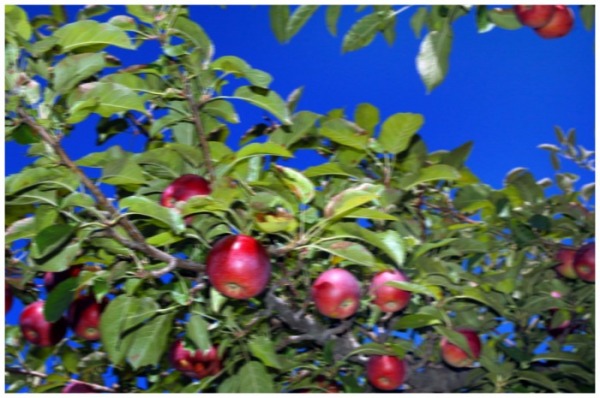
(183, 188)
(559, 25)
(455, 356)
(84, 317)
(336, 293)
(585, 262)
(52, 279)
(37, 330)
(389, 298)
(196, 364)
(75, 387)
(238, 266)
(8, 298)
(566, 258)
(386, 372)
(534, 16)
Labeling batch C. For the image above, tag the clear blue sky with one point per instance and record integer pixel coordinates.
(506, 90)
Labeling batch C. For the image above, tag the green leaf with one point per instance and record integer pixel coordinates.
(61, 260)
(59, 299)
(77, 199)
(366, 116)
(432, 173)
(258, 149)
(327, 169)
(370, 214)
(433, 57)
(197, 331)
(300, 186)
(254, 378)
(559, 357)
(21, 229)
(364, 30)
(298, 19)
(393, 245)
(146, 207)
(417, 21)
(265, 99)
(483, 20)
(17, 22)
(52, 238)
(370, 349)
(90, 33)
(415, 321)
(190, 30)
(587, 13)
(221, 109)
(150, 341)
(348, 200)
(398, 130)
(332, 16)
(339, 131)
(537, 378)
(105, 99)
(351, 251)
(412, 287)
(115, 319)
(74, 68)
(504, 18)
(278, 16)
(263, 348)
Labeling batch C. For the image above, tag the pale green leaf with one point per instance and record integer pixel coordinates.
(433, 57)
(265, 99)
(398, 130)
(90, 33)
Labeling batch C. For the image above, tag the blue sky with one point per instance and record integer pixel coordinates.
(506, 90)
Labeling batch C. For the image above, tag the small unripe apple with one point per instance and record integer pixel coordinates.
(389, 298)
(84, 317)
(238, 266)
(585, 262)
(52, 279)
(75, 387)
(195, 364)
(559, 25)
(566, 258)
(456, 356)
(386, 372)
(336, 293)
(37, 330)
(534, 16)
(183, 188)
(8, 298)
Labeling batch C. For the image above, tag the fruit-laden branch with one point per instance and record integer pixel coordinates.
(432, 378)
(137, 241)
(195, 108)
(97, 387)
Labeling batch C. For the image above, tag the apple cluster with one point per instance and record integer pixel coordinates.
(577, 263)
(83, 317)
(548, 21)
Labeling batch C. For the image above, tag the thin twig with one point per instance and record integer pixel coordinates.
(195, 108)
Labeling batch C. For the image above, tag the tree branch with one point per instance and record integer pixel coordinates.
(21, 371)
(138, 241)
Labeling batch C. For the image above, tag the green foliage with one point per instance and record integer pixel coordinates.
(475, 256)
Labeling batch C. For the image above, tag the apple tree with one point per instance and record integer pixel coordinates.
(200, 266)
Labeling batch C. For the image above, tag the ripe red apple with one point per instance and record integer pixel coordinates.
(196, 364)
(559, 25)
(84, 317)
(52, 279)
(37, 330)
(566, 258)
(183, 188)
(8, 298)
(389, 298)
(238, 266)
(585, 262)
(455, 356)
(336, 293)
(534, 16)
(75, 387)
(386, 372)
